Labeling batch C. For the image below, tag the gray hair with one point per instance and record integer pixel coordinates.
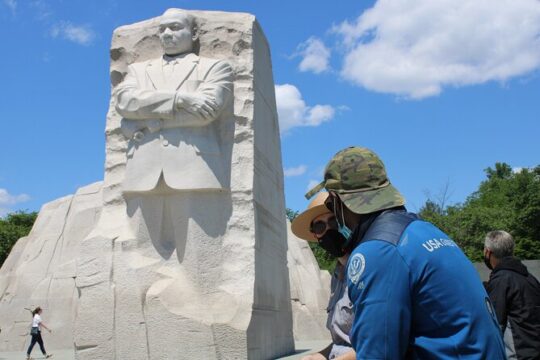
(500, 243)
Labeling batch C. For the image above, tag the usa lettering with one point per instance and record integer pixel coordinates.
(434, 244)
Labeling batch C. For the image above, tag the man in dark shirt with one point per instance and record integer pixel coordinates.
(515, 295)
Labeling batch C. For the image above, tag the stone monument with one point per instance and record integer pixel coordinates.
(40, 270)
(184, 254)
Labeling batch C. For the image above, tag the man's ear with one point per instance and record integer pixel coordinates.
(195, 33)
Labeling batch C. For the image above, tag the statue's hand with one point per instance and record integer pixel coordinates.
(197, 105)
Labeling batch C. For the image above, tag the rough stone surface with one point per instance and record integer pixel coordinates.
(42, 270)
(153, 304)
(310, 291)
(109, 294)
(309, 285)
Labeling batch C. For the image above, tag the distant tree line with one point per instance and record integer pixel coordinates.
(13, 227)
(507, 200)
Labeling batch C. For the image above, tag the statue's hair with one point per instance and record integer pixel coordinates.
(500, 243)
(190, 18)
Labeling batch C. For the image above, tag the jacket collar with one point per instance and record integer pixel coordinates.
(513, 264)
(368, 220)
(185, 64)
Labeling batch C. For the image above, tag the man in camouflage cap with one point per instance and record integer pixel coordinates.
(359, 177)
(415, 294)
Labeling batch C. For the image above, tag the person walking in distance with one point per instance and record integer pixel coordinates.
(37, 324)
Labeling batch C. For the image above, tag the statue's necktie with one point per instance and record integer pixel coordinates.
(168, 69)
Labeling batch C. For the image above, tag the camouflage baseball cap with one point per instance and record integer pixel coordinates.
(358, 177)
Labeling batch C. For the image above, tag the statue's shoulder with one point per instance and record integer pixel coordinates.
(142, 65)
(211, 63)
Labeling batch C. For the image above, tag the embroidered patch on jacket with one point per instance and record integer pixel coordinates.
(357, 264)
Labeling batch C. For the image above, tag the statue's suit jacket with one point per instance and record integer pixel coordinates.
(183, 146)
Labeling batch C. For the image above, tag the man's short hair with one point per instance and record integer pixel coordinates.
(500, 243)
(190, 18)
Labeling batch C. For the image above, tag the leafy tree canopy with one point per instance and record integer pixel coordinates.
(507, 200)
(13, 227)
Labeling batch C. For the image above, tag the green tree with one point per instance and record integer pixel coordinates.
(291, 214)
(13, 227)
(506, 200)
(325, 260)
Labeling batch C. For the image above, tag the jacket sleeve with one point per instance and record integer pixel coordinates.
(379, 288)
(135, 103)
(216, 87)
(498, 290)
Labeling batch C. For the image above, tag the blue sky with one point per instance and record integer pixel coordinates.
(440, 90)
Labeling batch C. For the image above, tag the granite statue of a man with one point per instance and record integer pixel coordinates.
(168, 104)
(176, 170)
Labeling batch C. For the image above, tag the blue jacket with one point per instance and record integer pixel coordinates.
(416, 295)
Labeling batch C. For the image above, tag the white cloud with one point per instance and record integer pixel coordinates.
(293, 111)
(295, 171)
(517, 170)
(416, 48)
(7, 200)
(319, 114)
(315, 56)
(11, 4)
(41, 9)
(80, 34)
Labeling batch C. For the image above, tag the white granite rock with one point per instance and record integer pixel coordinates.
(42, 270)
(310, 291)
(309, 286)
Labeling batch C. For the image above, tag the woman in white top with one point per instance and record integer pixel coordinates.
(37, 324)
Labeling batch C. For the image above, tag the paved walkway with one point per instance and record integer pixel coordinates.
(36, 355)
(302, 348)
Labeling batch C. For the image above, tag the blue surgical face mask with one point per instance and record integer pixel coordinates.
(342, 228)
(345, 231)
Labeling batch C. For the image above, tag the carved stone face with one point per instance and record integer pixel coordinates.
(175, 33)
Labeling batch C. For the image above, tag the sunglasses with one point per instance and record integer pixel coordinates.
(329, 205)
(319, 227)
